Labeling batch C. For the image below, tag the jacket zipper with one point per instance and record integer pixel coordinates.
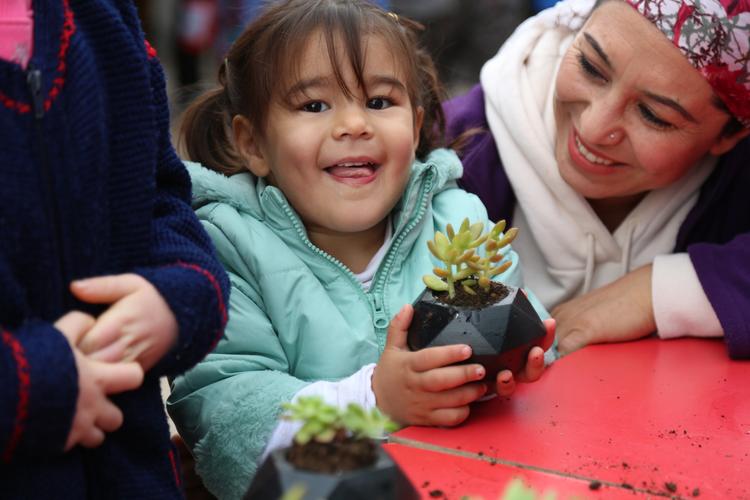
(375, 296)
(34, 82)
(380, 314)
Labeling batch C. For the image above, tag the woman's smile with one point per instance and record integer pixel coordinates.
(586, 158)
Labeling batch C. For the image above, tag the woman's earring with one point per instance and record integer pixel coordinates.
(612, 136)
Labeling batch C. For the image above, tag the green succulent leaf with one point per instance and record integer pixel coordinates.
(498, 228)
(435, 283)
(476, 230)
(442, 243)
(435, 251)
(449, 231)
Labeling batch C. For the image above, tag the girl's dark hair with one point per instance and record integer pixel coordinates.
(265, 56)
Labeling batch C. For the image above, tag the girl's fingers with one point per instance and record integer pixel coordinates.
(534, 366)
(506, 384)
(449, 377)
(448, 417)
(550, 324)
(135, 351)
(116, 351)
(106, 289)
(74, 325)
(104, 332)
(119, 377)
(437, 357)
(93, 437)
(109, 418)
(397, 330)
(460, 396)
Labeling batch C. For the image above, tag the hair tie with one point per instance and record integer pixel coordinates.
(393, 16)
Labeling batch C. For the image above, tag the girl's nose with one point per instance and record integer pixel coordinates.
(352, 122)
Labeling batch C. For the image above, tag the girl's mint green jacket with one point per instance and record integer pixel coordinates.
(297, 315)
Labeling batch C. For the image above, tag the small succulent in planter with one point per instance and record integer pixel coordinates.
(463, 305)
(335, 455)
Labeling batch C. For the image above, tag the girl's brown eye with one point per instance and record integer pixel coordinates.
(314, 107)
(379, 103)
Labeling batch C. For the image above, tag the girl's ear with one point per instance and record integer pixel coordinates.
(418, 121)
(724, 144)
(247, 146)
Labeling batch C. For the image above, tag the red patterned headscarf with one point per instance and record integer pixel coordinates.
(714, 35)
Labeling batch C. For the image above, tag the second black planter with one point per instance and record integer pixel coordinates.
(383, 480)
(500, 334)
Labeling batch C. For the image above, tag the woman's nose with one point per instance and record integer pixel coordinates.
(602, 121)
(352, 122)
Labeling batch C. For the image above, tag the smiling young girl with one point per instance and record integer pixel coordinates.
(322, 187)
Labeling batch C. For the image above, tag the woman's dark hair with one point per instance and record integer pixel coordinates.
(267, 53)
(733, 125)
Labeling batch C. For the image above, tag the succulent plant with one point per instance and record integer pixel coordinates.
(322, 422)
(463, 265)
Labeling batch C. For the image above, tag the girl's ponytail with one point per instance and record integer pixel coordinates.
(206, 128)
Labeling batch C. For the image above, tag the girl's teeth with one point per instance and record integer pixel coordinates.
(353, 164)
(589, 155)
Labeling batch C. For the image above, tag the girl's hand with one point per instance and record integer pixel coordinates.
(620, 311)
(419, 388)
(506, 383)
(138, 326)
(95, 414)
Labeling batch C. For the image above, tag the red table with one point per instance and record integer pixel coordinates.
(644, 419)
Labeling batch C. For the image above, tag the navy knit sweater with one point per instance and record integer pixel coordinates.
(90, 186)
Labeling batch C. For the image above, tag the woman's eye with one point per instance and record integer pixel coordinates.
(379, 103)
(315, 107)
(589, 68)
(650, 117)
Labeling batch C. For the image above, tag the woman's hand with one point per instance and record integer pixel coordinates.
(617, 312)
(422, 388)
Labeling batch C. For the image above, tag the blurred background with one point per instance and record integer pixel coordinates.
(192, 36)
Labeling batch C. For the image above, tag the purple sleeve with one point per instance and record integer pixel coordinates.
(724, 272)
(483, 172)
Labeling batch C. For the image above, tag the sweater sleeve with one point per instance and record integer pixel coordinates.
(724, 274)
(184, 267)
(38, 391)
(227, 406)
(681, 308)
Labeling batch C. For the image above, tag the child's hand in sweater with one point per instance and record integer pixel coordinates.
(95, 414)
(422, 388)
(138, 326)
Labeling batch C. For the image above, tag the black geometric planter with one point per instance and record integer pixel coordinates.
(383, 480)
(500, 335)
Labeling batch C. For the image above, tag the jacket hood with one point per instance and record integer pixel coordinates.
(244, 191)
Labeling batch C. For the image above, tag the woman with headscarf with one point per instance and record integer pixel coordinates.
(617, 145)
